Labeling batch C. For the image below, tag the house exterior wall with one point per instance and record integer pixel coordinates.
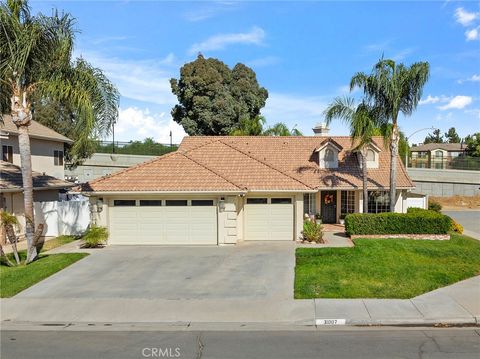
(42, 155)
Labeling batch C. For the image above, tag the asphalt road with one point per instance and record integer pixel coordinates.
(470, 220)
(349, 343)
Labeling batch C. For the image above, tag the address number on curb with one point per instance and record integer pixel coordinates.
(330, 321)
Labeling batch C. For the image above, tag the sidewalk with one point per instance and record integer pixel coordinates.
(455, 304)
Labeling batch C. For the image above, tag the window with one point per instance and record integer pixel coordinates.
(347, 202)
(370, 155)
(281, 200)
(256, 201)
(328, 156)
(378, 201)
(58, 158)
(438, 154)
(176, 202)
(309, 206)
(7, 153)
(150, 202)
(124, 202)
(202, 202)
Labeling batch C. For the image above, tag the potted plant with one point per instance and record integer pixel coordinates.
(342, 218)
(318, 218)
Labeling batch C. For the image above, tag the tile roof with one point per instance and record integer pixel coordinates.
(231, 163)
(11, 179)
(443, 146)
(36, 130)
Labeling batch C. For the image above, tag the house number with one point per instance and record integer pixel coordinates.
(330, 321)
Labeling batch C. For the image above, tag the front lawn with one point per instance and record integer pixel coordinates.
(385, 268)
(16, 279)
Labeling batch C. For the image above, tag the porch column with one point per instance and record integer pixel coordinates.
(339, 206)
(360, 201)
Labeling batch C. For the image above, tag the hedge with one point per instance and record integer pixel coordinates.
(414, 222)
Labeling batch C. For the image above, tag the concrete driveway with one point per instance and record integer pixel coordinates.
(469, 219)
(250, 270)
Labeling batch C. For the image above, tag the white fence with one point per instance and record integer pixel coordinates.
(62, 218)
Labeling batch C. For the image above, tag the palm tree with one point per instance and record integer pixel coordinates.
(250, 127)
(363, 121)
(393, 88)
(281, 129)
(36, 62)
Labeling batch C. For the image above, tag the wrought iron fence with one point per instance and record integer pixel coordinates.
(446, 163)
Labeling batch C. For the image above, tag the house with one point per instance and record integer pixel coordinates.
(47, 149)
(226, 189)
(435, 155)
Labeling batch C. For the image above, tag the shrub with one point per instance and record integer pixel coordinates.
(456, 227)
(312, 231)
(417, 221)
(434, 206)
(95, 236)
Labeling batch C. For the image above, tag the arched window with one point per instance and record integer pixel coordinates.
(370, 155)
(328, 156)
(438, 154)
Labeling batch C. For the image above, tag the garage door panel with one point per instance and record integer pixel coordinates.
(164, 225)
(264, 222)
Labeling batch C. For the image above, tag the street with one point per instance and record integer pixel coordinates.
(308, 343)
(469, 219)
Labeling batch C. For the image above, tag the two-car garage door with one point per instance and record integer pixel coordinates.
(269, 219)
(163, 222)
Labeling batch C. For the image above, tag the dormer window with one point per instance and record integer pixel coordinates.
(370, 155)
(328, 154)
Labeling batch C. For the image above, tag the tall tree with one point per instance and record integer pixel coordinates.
(436, 137)
(214, 99)
(452, 136)
(36, 65)
(393, 88)
(472, 143)
(250, 127)
(363, 121)
(281, 129)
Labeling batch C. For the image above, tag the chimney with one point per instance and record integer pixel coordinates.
(321, 129)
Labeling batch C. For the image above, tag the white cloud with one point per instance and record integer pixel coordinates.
(210, 10)
(464, 17)
(472, 34)
(303, 111)
(402, 54)
(219, 42)
(473, 78)
(430, 99)
(142, 80)
(102, 40)
(457, 102)
(137, 124)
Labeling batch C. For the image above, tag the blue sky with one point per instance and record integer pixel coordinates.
(304, 53)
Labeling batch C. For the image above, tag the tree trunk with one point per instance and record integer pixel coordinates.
(12, 237)
(26, 164)
(393, 165)
(365, 180)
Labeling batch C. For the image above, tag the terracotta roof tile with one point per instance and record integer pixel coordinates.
(230, 163)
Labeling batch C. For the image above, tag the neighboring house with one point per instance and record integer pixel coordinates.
(102, 164)
(47, 149)
(435, 155)
(220, 190)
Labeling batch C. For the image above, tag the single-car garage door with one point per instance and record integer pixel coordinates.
(269, 219)
(170, 221)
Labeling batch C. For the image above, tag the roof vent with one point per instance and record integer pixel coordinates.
(321, 129)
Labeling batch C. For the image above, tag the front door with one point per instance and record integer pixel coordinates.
(329, 206)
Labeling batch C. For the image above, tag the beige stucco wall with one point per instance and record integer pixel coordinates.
(42, 155)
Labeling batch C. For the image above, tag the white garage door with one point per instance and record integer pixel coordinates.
(163, 222)
(269, 219)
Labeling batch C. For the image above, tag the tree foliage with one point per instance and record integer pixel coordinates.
(214, 99)
(146, 147)
(435, 137)
(255, 127)
(452, 136)
(472, 143)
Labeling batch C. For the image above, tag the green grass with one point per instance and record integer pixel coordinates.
(385, 268)
(57, 242)
(15, 279)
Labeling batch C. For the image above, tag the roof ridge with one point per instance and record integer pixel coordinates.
(214, 172)
(141, 164)
(266, 164)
